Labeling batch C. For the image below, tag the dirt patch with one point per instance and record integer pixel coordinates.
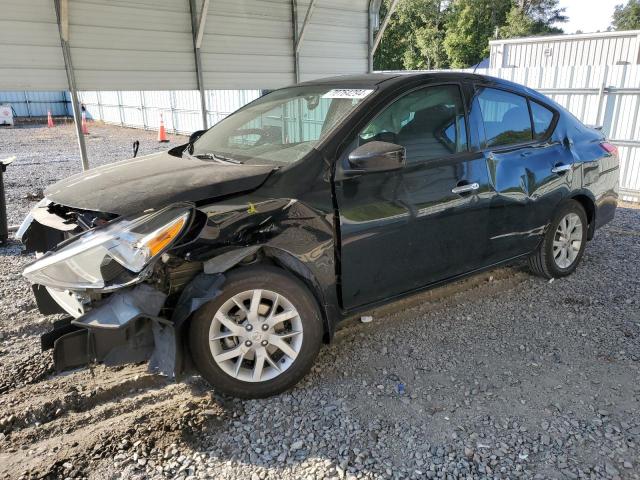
(64, 427)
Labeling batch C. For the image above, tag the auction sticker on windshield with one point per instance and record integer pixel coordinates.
(347, 93)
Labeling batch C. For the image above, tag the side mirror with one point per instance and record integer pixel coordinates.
(377, 157)
(195, 135)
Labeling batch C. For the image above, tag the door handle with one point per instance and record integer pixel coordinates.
(561, 168)
(469, 187)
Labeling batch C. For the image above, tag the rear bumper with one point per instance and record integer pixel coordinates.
(605, 211)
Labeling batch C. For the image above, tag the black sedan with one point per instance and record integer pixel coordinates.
(240, 251)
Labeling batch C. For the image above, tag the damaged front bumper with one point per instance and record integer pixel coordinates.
(126, 327)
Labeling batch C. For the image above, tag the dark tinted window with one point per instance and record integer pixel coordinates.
(506, 117)
(429, 123)
(542, 119)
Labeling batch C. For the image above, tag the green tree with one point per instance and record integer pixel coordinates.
(627, 17)
(470, 25)
(433, 34)
(523, 23)
(544, 13)
(532, 17)
(518, 24)
(414, 38)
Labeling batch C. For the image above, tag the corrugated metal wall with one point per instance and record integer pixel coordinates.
(334, 23)
(246, 41)
(609, 48)
(37, 104)
(124, 43)
(30, 57)
(148, 44)
(607, 96)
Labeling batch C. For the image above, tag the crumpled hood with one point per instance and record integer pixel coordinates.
(153, 181)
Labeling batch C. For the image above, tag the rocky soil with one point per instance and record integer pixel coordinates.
(503, 375)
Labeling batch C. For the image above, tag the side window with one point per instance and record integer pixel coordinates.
(429, 123)
(542, 119)
(506, 117)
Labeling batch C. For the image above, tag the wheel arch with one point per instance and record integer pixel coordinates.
(245, 256)
(586, 200)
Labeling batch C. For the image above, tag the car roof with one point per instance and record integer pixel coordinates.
(393, 78)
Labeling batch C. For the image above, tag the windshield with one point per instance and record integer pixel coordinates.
(281, 127)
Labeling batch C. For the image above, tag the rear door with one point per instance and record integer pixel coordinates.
(425, 223)
(530, 169)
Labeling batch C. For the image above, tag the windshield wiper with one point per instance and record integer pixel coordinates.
(218, 157)
(210, 156)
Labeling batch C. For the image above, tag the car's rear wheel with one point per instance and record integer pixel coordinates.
(260, 336)
(563, 246)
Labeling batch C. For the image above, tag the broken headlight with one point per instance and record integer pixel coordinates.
(117, 253)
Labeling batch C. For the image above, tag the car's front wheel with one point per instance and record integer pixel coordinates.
(260, 336)
(560, 252)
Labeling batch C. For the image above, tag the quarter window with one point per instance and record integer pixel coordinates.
(429, 123)
(542, 119)
(505, 116)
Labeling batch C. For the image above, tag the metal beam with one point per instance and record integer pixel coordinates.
(373, 24)
(382, 28)
(64, 20)
(307, 18)
(62, 15)
(197, 30)
(202, 22)
(296, 55)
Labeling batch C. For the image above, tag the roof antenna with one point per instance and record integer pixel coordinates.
(476, 67)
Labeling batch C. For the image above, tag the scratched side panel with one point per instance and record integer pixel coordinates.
(291, 213)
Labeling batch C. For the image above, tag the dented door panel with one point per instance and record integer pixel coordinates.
(526, 194)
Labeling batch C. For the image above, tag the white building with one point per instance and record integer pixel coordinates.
(606, 48)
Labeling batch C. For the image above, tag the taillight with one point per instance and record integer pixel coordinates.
(612, 149)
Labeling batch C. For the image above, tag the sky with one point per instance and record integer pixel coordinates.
(588, 15)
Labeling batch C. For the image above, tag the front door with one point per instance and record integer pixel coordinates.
(403, 230)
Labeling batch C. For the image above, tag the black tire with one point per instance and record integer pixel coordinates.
(542, 262)
(248, 278)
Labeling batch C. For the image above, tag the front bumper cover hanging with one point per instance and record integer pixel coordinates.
(126, 328)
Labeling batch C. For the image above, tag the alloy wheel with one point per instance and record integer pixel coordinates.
(567, 240)
(255, 335)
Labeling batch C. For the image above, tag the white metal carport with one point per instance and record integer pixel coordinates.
(181, 44)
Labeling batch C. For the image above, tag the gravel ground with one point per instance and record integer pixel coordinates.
(503, 375)
(46, 155)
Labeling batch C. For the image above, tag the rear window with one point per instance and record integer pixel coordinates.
(542, 119)
(505, 116)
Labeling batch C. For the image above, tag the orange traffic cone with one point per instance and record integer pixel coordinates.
(162, 133)
(85, 129)
(49, 120)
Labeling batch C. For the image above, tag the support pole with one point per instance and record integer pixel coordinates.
(296, 55)
(305, 23)
(62, 14)
(383, 27)
(601, 93)
(197, 30)
(373, 24)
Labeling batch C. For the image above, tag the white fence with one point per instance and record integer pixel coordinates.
(607, 96)
(180, 109)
